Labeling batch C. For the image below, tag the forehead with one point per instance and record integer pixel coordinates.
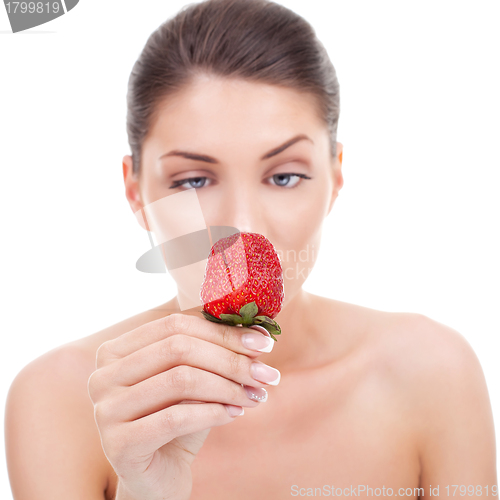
(215, 110)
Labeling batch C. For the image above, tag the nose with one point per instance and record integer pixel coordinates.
(241, 208)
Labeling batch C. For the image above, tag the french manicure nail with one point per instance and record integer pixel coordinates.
(257, 342)
(264, 373)
(256, 393)
(235, 411)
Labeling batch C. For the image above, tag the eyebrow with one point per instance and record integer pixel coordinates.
(209, 159)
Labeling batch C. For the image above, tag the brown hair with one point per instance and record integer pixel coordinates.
(256, 40)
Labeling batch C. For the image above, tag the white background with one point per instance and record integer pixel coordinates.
(416, 225)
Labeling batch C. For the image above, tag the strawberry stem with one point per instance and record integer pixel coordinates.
(247, 318)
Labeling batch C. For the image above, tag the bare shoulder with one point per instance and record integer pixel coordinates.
(50, 431)
(76, 359)
(415, 351)
(403, 345)
(426, 375)
(49, 420)
(417, 355)
(91, 343)
(435, 376)
(417, 347)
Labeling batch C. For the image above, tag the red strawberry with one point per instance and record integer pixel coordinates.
(243, 283)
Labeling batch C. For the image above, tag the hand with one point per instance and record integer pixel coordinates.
(141, 388)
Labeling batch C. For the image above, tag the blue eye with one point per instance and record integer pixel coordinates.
(280, 180)
(283, 180)
(194, 182)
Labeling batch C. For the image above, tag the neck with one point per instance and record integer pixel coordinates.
(297, 346)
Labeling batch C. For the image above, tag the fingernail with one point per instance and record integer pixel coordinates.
(234, 411)
(260, 329)
(256, 393)
(264, 373)
(257, 342)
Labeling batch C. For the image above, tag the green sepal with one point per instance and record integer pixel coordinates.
(231, 319)
(210, 317)
(247, 319)
(269, 324)
(249, 310)
(272, 332)
(267, 321)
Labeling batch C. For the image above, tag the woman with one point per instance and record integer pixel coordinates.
(238, 100)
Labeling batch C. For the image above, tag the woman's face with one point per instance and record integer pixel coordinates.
(258, 157)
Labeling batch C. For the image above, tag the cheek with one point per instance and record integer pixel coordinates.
(298, 222)
(153, 190)
(172, 215)
(297, 233)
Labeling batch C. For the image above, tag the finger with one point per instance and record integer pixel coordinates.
(144, 436)
(155, 331)
(183, 350)
(182, 383)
